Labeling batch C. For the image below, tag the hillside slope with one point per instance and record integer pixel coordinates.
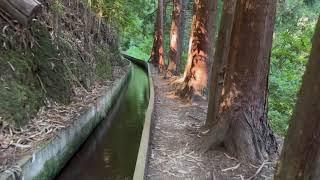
(65, 50)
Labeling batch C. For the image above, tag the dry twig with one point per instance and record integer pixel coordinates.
(230, 157)
(259, 170)
(231, 168)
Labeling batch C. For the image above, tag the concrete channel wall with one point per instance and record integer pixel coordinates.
(144, 149)
(46, 162)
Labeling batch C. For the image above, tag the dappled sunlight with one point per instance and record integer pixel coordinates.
(230, 97)
(159, 89)
(176, 81)
(173, 42)
(199, 73)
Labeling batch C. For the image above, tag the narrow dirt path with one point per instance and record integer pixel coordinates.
(174, 133)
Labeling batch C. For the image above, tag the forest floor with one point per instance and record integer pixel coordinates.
(15, 143)
(175, 132)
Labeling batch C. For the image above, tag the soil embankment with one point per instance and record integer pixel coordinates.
(67, 49)
(50, 72)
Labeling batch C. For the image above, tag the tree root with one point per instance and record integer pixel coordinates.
(212, 139)
(174, 81)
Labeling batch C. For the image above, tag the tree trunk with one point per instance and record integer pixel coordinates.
(196, 71)
(176, 38)
(212, 28)
(154, 53)
(21, 10)
(220, 59)
(242, 126)
(300, 157)
(157, 53)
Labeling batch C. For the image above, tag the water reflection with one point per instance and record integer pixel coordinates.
(111, 151)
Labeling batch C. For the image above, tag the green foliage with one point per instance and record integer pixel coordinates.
(133, 19)
(138, 52)
(291, 47)
(295, 23)
(135, 23)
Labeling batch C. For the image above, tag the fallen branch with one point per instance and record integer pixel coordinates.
(231, 168)
(259, 170)
(229, 157)
(22, 10)
(42, 85)
(241, 176)
(21, 145)
(11, 66)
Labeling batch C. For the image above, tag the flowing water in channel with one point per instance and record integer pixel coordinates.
(111, 150)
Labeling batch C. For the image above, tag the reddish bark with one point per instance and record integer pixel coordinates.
(157, 52)
(300, 157)
(176, 38)
(242, 126)
(220, 59)
(196, 71)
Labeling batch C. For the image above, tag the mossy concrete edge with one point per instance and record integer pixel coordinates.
(142, 159)
(46, 162)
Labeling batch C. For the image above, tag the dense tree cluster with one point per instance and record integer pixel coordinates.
(249, 58)
(236, 75)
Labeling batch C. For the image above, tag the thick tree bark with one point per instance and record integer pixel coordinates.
(212, 29)
(242, 126)
(220, 59)
(196, 71)
(176, 38)
(157, 52)
(21, 10)
(300, 157)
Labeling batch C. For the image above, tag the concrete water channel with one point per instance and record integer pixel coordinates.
(111, 150)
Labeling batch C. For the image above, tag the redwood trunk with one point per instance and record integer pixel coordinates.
(300, 157)
(176, 38)
(196, 71)
(157, 53)
(220, 59)
(242, 126)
